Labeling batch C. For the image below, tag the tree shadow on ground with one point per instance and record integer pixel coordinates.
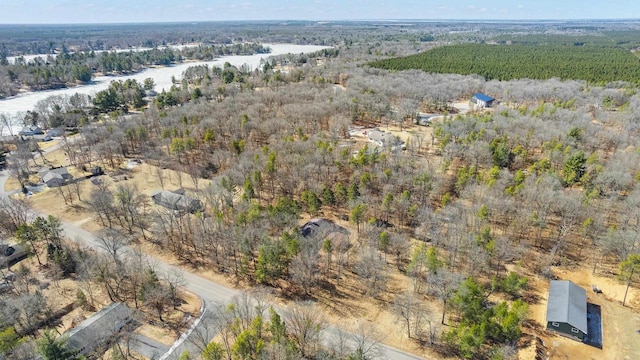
(337, 302)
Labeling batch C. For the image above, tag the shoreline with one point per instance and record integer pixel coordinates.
(97, 75)
(16, 106)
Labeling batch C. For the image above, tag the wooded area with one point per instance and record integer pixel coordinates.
(446, 236)
(594, 64)
(68, 68)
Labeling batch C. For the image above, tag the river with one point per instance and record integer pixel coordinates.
(19, 104)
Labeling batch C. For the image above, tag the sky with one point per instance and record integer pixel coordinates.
(125, 11)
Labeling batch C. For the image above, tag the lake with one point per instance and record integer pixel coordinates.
(19, 104)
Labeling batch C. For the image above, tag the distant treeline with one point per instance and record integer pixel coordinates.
(595, 64)
(49, 39)
(63, 69)
(625, 39)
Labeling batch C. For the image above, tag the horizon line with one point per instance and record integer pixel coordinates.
(637, 19)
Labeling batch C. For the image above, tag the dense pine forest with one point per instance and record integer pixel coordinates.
(577, 61)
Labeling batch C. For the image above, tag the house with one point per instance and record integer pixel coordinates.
(386, 140)
(55, 177)
(425, 119)
(11, 254)
(98, 329)
(53, 180)
(321, 228)
(30, 131)
(481, 100)
(62, 171)
(176, 202)
(567, 309)
(55, 132)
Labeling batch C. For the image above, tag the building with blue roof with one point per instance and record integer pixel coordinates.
(482, 100)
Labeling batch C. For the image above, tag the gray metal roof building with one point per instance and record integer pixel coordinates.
(99, 328)
(177, 202)
(55, 177)
(567, 305)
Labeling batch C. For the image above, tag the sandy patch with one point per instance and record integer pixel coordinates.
(620, 324)
(44, 145)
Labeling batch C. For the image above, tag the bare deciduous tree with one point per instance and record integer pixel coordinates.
(443, 285)
(367, 341)
(371, 267)
(175, 279)
(305, 324)
(411, 312)
(13, 213)
(305, 267)
(18, 163)
(112, 240)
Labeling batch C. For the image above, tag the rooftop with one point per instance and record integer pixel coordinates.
(174, 201)
(98, 328)
(568, 304)
(382, 138)
(321, 227)
(61, 171)
(483, 97)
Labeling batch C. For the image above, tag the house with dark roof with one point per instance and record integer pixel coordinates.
(176, 201)
(98, 329)
(567, 309)
(55, 132)
(55, 177)
(321, 228)
(53, 180)
(425, 119)
(481, 100)
(31, 131)
(10, 254)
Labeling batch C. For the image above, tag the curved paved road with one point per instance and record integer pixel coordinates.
(210, 291)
